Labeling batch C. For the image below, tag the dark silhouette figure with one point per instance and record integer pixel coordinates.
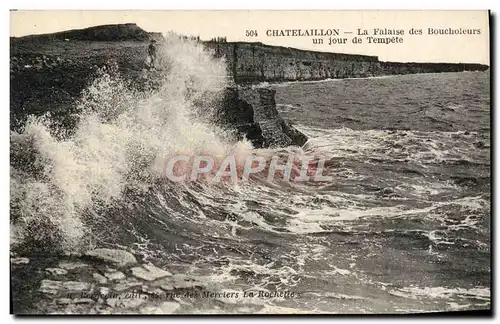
(152, 54)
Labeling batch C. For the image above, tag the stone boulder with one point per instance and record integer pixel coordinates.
(252, 113)
(119, 258)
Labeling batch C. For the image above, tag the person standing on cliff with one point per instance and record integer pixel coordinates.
(152, 54)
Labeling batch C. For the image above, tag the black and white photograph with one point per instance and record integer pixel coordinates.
(250, 162)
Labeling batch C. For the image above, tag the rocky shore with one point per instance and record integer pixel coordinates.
(112, 281)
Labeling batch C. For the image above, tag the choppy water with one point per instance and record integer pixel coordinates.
(403, 227)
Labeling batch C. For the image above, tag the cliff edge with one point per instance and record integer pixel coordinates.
(257, 62)
(49, 72)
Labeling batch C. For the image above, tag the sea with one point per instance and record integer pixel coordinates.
(402, 227)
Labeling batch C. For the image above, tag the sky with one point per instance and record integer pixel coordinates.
(244, 24)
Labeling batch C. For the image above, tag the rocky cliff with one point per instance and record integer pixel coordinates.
(257, 62)
(253, 112)
(49, 72)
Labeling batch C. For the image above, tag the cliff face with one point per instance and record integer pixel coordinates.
(253, 113)
(256, 62)
(49, 72)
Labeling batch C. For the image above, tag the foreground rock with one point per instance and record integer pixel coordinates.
(163, 308)
(54, 286)
(118, 257)
(149, 272)
(49, 72)
(19, 260)
(91, 285)
(252, 112)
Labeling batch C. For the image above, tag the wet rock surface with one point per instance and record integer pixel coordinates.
(111, 281)
(71, 265)
(149, 272)
(252, 112)
(56, 271)
(116, 257)
(15, 261)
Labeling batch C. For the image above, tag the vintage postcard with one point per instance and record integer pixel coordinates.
(250, 162)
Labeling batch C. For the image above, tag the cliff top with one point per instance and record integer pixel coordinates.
(291, 50)
(108, 33)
